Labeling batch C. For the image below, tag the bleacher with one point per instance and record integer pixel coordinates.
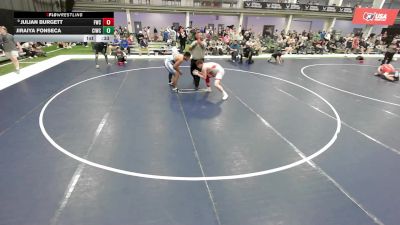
(153, 48)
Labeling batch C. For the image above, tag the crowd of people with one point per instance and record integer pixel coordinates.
(308, 2)
(231, 41)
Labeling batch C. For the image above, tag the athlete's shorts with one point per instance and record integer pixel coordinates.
(276, 55)
(169, 65)
(100, 51)
(100, 48)
(220, 74)
(396, 75)
(12, 54)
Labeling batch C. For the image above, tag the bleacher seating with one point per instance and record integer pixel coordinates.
(154, 48)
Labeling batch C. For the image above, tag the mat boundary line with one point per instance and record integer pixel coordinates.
(12, 78)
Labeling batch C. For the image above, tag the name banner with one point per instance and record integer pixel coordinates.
(373, 16)
(301, 7)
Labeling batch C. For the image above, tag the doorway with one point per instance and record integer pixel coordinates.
(211, 26)
(268, 30)
(220, 28)
(138, 26)
(176, 25)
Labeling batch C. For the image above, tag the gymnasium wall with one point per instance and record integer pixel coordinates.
(204, 20)
(346, 27)
(149, 19)
(120, 19)
(256, 23)
(158, 20)
(301, 24)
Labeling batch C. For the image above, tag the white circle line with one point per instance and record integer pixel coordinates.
(179, 178)
(341, 90)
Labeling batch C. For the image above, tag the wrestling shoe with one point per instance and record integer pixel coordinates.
(225, 96)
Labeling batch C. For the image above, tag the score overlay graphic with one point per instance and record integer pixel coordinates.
(56, 26)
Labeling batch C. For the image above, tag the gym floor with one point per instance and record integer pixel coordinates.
(309, 142)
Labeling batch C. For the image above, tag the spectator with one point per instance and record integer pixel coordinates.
(327, 36)
(155, 34)
(142, 40)
(26, 48)
(235, 51)
(220, 41)
(391, 50)
(348, 44)
(37, 50)
(226, 39)
(355, 44)
(172, 36)
(182, 36)
(148, 33)
(124, 45)
(332, 46)
(248, 51)
(166, 35)
(319, 47)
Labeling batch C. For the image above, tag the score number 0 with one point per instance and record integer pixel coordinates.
(108, 25)
(108, 21)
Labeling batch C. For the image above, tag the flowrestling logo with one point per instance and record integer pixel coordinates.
(373, 16)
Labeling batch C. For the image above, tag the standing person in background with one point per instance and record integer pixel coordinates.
(248, 51)
(10, 47)
(198, 51)
(148, 34)
(391, 50)
(348, 43)
(125, 32)
(155, 34)
(327, 36)
(172, 35)
(355, 44)
(165, 35)
(145, 34)
(182, 35)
